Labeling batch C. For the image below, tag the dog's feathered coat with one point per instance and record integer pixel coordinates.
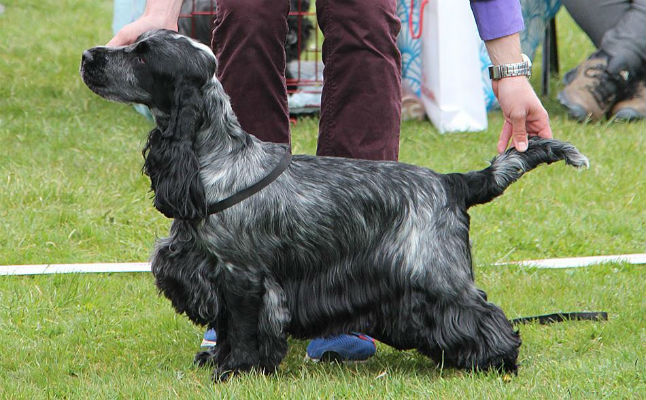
(333, 245)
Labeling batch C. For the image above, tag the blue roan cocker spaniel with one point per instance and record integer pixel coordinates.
(262, 246)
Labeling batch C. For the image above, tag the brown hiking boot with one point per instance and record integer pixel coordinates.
(633, 106)
(592, 92)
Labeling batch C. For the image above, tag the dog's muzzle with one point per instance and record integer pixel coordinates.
(92, 70)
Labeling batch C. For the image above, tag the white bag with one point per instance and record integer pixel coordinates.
(451, 88)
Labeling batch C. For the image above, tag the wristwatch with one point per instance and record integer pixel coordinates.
(497, 72)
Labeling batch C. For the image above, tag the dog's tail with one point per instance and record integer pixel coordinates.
(489, 183)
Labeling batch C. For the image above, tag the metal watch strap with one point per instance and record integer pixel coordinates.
(523, 68)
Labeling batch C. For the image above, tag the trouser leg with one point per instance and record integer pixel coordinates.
(618, 27)
(249, 42)
(361, 101)
(626, 42)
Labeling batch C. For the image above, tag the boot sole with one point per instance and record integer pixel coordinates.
(627, 115)
(334, 357)
(574, 110)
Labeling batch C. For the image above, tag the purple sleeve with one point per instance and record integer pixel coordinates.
(497, 18)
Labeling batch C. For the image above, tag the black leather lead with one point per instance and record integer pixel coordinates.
(253, 189)
(560, 317)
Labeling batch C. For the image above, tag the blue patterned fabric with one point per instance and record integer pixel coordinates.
(210, 339)
(490, 99)
(126, 11)
(411, 49)
(536, 14)
(352, 347)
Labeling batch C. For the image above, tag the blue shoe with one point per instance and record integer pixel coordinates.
(210, 339)
(352, 347)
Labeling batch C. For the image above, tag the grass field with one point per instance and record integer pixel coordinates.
(72, 191)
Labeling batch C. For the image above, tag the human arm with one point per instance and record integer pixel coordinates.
(523, 112)
(499, 22)
(158, 14)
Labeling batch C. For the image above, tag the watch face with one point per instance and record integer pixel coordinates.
(492, 72)
(527, 60)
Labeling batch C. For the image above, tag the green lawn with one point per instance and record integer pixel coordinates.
(72, 191)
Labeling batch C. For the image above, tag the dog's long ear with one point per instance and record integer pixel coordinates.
(170, 159)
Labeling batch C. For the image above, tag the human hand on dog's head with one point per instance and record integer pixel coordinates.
(159, 14)
(129, 33)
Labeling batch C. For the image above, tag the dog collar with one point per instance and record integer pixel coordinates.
(253, 189)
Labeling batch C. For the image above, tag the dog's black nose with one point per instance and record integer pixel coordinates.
(87, 56)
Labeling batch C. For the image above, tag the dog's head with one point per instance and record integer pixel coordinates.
(167, 72)
(150, 71)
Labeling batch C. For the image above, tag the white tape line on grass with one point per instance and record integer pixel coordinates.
(41, 269)
(72, 268)
(577, 262)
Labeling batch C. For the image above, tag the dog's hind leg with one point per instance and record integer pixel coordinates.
(471, 333)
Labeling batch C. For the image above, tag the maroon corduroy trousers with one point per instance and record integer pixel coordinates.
(361, 100)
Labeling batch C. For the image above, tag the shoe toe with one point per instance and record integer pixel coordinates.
(628, 114)
(575, 110)
(210, 339)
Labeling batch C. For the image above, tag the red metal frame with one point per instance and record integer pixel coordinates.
(308, 52)
(311, 52)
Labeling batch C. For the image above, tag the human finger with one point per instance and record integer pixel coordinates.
(519, 131)
(505, 135)
(543, 124)
(124, 37)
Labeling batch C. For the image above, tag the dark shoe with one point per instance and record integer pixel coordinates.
(570, 75)
(633, 106)
(592, 91)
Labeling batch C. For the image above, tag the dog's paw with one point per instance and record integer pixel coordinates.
(225, 373)
(205, 358)
(221, 375)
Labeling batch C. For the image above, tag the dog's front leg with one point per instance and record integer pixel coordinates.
(274, 317)
(187, 276)
(218, 353)
(242, 290)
